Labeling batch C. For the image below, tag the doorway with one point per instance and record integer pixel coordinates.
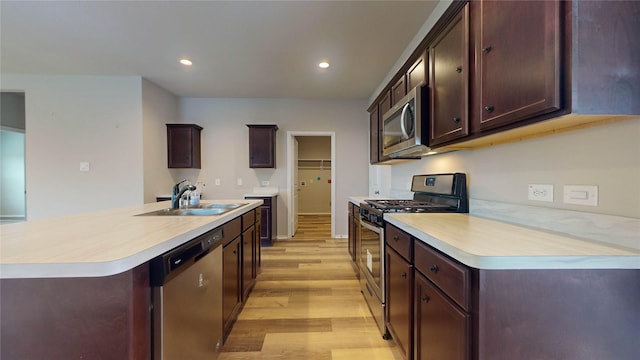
(12, 157)
(310, 176)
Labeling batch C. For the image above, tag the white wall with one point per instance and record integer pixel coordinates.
(225, 149)
(73, 119)
(607, 156)
(159, 107)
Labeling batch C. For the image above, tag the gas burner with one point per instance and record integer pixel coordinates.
(432, 193)
(395, 205)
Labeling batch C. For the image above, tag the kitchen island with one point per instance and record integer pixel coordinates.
(78, 286)
(488, 289)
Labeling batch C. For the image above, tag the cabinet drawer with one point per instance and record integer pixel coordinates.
(452, 278)
(232, 230)
(399, 241)
(248, 219)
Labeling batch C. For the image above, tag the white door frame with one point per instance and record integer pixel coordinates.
(290, 181)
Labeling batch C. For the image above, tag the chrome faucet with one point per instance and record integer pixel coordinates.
(177, 193)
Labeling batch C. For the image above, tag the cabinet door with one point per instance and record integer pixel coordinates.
(231, 282)
(262, 146)
(385, 104)
(183, 146)
(374, 134)
(383, 107)
(248, 253)
(354, 238)
(399, 300)
(266, 220)
(398, 90)
(519, 60)
(449, 84)
(351, 239)
(257, 248)
(416, 76)
(441, 329)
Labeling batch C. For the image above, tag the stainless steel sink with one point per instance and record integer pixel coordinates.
(220, 206)
(200, 210)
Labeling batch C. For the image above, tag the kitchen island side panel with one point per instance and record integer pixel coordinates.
(558, 314)
(77, 318)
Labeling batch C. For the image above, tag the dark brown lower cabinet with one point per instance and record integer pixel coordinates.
(248, 259)
(231, 283)
(399, 300)
(77, 318)
(441, 329)
(257, 263)
(248, 253)
(464, 313)
(268, 212)
(354, 234)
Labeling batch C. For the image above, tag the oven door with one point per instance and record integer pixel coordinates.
(372, 257)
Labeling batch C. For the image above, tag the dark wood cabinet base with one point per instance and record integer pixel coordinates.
(77, 318)
(558, 314)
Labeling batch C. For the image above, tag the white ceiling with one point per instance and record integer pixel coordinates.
(239, 48)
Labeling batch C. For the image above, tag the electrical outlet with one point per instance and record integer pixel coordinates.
(265, 183)
(217, 182)
(85, 166)
(581, 195)
(541, 192)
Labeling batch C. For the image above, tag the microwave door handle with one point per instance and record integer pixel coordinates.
(402, 127)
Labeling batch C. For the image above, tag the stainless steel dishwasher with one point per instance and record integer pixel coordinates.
(187, 300)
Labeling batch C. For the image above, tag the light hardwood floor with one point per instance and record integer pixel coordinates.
(307, 304)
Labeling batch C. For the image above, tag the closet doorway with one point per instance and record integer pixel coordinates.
(311, 165)
(13, 207)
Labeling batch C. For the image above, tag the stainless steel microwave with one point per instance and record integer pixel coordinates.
(404, 130)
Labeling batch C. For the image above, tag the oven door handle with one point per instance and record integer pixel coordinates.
(370, 226)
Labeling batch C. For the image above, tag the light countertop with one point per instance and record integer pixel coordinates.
(260, 195)
(491, 244)
(261, 192)
(100, 243)
(356, 200)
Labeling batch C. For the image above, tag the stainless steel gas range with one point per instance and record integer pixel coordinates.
(431, 193)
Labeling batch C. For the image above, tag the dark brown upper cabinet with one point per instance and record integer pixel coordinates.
(262, 146)
(183, 146)
(449, 81)
(518, 54)
(374, 136)
(385, 104)
(398, 90)
(416, 75)
(376, 126)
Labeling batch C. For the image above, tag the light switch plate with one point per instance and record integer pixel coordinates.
(541, 192)
(85, 166)
(581, 195)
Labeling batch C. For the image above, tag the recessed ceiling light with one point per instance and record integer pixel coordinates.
(186, 62)
(323, 65)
